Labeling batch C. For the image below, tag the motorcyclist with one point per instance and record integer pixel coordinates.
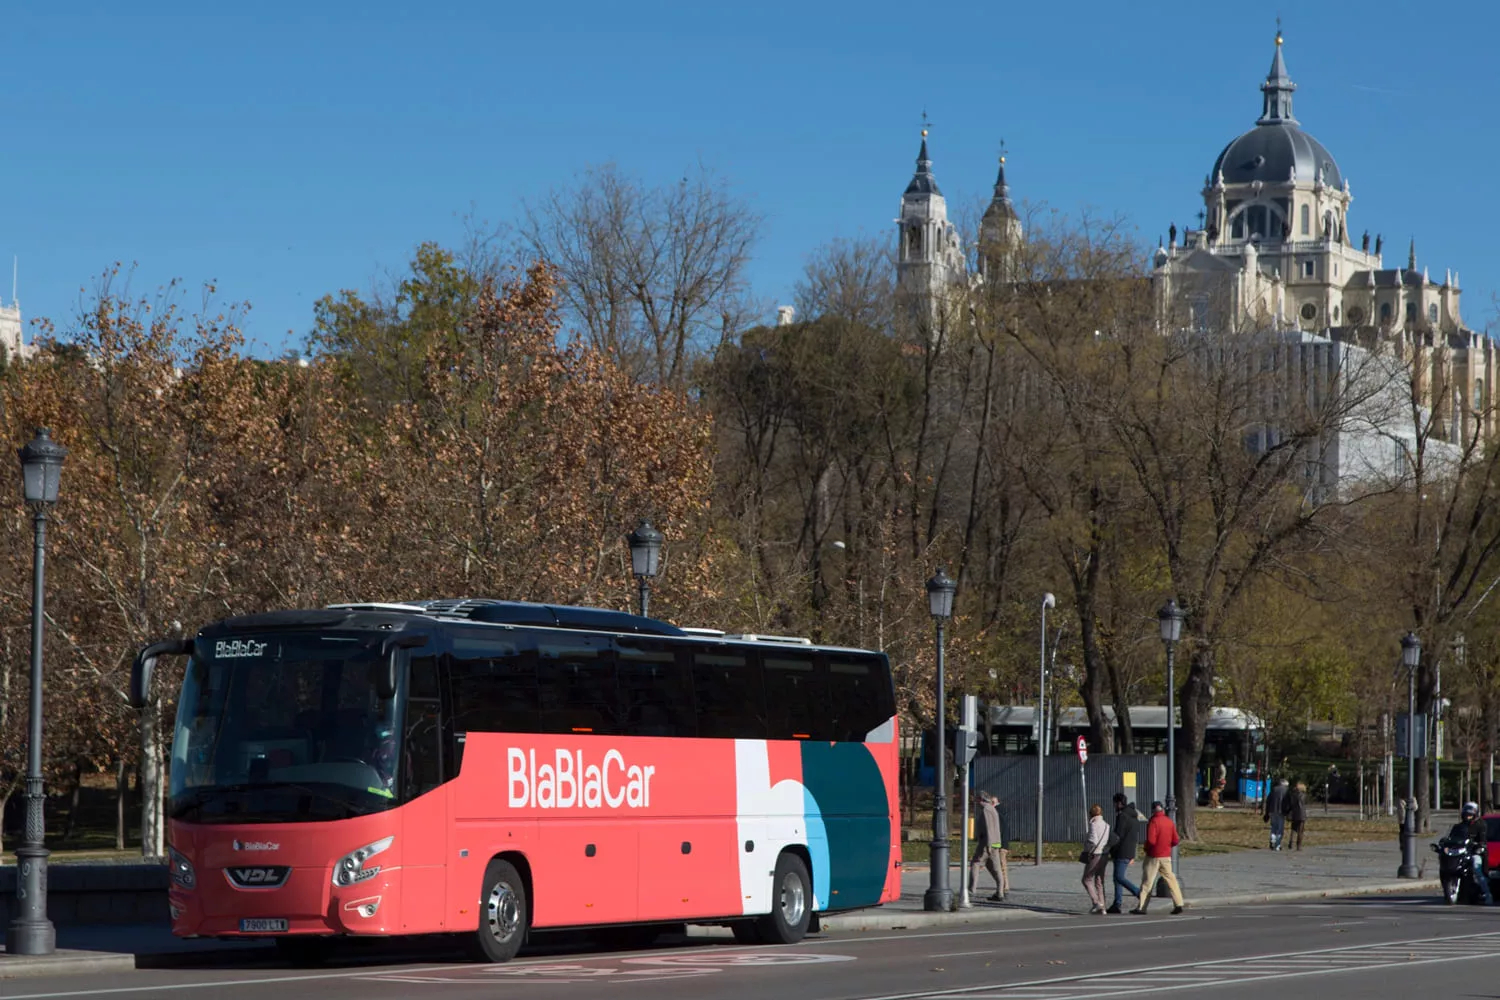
(1471, 828)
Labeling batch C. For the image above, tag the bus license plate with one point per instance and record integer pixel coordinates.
(262, 924)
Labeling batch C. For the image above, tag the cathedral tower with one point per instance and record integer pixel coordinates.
(930, 262)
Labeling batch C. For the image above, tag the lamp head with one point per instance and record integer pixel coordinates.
(940, 591)
(1170, 617)
(41, 468)
(1411, 650)
(645, 550)
(1048, 601)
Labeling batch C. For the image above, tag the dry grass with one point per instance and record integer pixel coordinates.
(1236, 829)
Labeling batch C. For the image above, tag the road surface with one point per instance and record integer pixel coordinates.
(1371, 947)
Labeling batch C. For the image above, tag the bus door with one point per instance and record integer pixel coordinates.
(425, 819)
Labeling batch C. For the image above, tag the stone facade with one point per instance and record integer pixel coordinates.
(12, 344)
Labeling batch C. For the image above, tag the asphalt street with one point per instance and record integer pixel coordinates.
(1366, 947)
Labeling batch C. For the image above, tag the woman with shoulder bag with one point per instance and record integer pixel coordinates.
(1095, 856)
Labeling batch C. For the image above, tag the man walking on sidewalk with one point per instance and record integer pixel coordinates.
(1161, 837)
(1274, 812)
(987, 849)
(1123, 853)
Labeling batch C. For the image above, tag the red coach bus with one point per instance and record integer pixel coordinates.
(484, 768)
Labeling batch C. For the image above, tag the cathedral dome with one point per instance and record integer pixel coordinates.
(1271, 152)
(1276, 150)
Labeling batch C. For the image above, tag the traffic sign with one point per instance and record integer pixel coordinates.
(1083, 750)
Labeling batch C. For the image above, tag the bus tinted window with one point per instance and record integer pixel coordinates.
(576, 684)
(493, 685)
(797, 696)
(656, 691)
(730, 695)
(860, 695)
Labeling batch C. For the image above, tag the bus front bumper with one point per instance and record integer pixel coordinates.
(306, 902)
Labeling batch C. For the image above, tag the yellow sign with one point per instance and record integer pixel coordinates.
(1128, 779)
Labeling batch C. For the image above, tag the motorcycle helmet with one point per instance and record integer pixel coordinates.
(1470, 810)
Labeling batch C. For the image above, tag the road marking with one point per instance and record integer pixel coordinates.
(1261, 968)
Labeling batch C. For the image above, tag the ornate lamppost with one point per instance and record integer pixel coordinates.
(30, 932)
(1411, 658)
(1170, 617)
(939, 895)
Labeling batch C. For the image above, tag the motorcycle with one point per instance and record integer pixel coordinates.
(1457, 872)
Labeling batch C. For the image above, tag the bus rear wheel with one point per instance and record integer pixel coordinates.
(791, 903)
(502, 915)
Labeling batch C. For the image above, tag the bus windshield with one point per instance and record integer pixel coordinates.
(282, 728)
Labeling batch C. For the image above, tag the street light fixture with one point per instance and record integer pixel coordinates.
(645, 559)
(30, 932)
(1043, 731)
(1411, 658)
(1170, 617)
(939, 896)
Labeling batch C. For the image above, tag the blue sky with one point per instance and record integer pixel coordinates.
(285, 151)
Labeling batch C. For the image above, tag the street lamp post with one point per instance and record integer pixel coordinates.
(1411, 657)
(939, 895)
(1043, 731)
(1170, 617)
(30, 932)
(645, 559)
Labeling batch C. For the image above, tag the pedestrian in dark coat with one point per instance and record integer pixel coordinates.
(1127, 842)
(1274, 812)
(1296, 812)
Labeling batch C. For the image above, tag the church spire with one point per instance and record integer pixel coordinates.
(922, 182)
(1001, 203)
(1276, 106)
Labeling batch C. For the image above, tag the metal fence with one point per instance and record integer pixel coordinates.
(1012, 779)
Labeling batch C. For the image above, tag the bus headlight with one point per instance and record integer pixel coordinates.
(350, 869)
(181, 869)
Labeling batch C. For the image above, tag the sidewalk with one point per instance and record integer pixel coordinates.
(1207, 880)
(1053, 889)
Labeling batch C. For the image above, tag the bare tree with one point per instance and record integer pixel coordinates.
(650, 274)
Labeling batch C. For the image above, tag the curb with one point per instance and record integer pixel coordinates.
(901, 920)
(84, 962)
(1295, 895)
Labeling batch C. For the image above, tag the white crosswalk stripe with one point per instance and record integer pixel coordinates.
(1201, 974)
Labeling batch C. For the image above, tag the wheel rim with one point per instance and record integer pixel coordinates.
(503, 912)
(793, 900)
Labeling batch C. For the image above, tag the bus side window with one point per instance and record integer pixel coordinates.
(492, 686)
(730, 695)
(860, 696)
(656, 690)
(576, 683)
(423, 745)
(797, 696)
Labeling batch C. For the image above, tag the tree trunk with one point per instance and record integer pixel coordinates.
(1196, 707)
(76, 780)
(153, 837)
(1085, 596)
(122, 791)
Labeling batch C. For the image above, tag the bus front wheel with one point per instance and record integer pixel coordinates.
(502, 914)
(791, 903)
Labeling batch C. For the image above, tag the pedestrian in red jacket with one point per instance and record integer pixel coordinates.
(1161, 837)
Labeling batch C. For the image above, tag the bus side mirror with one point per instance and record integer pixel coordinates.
(386, 671)
(145, 665)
